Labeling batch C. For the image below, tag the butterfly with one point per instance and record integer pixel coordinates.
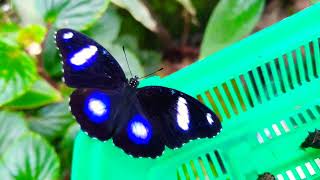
(141, 121)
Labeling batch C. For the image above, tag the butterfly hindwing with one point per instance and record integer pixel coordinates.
(95, 110)
(139, 135)
(86, 63)
(181, 117)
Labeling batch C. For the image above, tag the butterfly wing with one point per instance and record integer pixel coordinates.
(95, 110)
(86, 64)
(180, 117)
(139, 135)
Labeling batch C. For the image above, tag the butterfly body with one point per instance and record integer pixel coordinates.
(141, 121)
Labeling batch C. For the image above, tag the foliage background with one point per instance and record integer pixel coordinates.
(36, 127)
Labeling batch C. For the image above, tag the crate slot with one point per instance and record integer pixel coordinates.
(276, 129)
(267, 133)
(280, 177)
(275, 77)
(231, 97)
(317, 161)
(219, 97)
(284, 125)
(223, 168)
(301, 117)
(268, 81)
(211, 165)
(259, 85)
(313, 60)
(316, 51)
(311, 115)
(290, 175)
(204, 168)
(293, 122)
(308, 59)
(310, 168)
(250, 90)
(300, 172)
(260, 138)
(243, 95)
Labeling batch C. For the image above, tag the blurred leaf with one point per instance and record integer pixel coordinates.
(31, 34)
(66, 146)
(52, 121)
(230, 21)
(50, 55)
(133, 60)
(77, 15)
(40, 94)
(151, 60)
(28, 12)
(9, 33)
(128, 41)
(30, 157)
(63, 13)
(187, 4)
(17, 73)
(139, 11)
(107, 27)
(12, 126)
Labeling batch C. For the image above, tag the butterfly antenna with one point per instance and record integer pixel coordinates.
(125, 55)
(152, 73)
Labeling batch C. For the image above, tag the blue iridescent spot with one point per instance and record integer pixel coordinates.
(139, 130)
(83, 58)
(97, 107)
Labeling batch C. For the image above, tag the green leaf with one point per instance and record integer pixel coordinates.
(17, 73)
(107, 27)
(9, 33)
(139, 11)
(314, 1)
(30, 157)
(50, 55)
(230, 21)
(12, 126)
(66, 146)
(28, 12)
(40, 94)
(62, 13)
(52, 121)
(73, 14)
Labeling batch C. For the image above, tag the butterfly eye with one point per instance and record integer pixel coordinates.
(139, 130)
(83, 58)
(182, 114)
(97, 107)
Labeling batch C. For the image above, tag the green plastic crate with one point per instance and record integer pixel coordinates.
(265, 88)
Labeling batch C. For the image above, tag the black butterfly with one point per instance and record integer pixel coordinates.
(141, 121)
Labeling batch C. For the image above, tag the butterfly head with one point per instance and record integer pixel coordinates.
(133, 82)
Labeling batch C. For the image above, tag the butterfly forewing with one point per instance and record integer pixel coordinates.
(182, 117)
(86, 63)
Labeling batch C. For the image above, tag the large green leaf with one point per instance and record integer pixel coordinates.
(27, 11)
(63, 13)
(107, 27)
(17, 73)
(30, 157)
(12, 126)
(52, 121)
(50, 55)
(230, 21)
(40, 94)
(139, 11)
(66, 145)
